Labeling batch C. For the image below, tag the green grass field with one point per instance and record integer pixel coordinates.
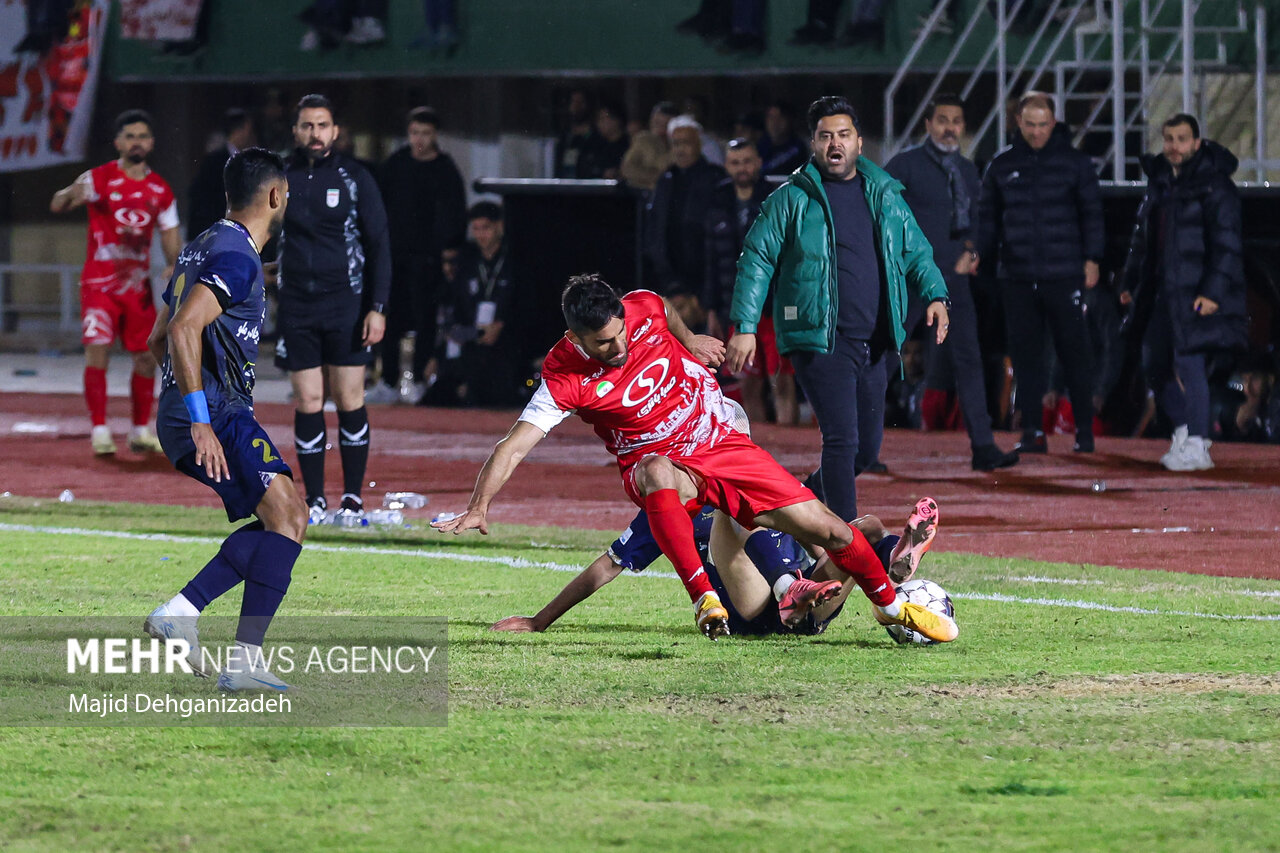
(1045, 727)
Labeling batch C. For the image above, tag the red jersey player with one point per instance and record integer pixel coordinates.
(634, 371)
(126, 201)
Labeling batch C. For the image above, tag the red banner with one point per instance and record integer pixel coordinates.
(47, 86)
(159, 20)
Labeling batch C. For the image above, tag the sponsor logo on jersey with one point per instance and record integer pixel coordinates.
(132, 217)
(587, 380)
(248, 333)
(331, 198)
(639, 333)
(646, 382)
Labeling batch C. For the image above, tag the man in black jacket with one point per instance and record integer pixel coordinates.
(1041, 209)
(426, 210)
(335, 276)
(1184, 280)
(734, 207)
(677, 216)
(942, 189)
(206, 198)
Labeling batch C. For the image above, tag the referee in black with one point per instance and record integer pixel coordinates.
(335, 275)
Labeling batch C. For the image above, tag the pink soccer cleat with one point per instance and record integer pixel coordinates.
(916, 539)
(802, 597)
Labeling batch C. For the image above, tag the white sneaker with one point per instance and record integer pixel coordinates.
(143, 440)
(1175, 446)
(317, 511)
(1193, 455)
(164, 624)
(247, 670)
(103, 443)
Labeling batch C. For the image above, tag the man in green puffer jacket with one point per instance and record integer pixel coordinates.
(840, 246)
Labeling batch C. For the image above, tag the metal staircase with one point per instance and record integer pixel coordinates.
(1114, 67)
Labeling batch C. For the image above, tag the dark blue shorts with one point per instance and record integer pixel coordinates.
(252, 458)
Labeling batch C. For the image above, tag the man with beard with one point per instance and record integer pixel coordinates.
(942, 188)
(125, 201)
(208, 342)
(335, 277)
(632, 369)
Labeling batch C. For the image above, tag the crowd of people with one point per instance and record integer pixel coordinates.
(821, 285)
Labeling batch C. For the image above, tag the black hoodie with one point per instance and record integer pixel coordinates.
(1042, 210)
(1192, 222)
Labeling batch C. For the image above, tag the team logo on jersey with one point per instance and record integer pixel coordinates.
(646, 382)
(331, 198)
(604, 387)
(132, 217)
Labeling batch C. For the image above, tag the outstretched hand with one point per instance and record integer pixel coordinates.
(516, 625)
(472, 519)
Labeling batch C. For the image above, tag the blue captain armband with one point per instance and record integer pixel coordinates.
(197, 407)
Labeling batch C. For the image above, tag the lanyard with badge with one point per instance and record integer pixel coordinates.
(486, 308)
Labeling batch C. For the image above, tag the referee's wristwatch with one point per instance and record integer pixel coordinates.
(382, 308)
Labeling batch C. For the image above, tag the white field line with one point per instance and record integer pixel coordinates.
(521, 563)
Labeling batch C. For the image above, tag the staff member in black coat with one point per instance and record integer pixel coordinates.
(426, 210)
(335, 275)
(942, 189)
(1041, 209)
(206, 198)
(1184, 280)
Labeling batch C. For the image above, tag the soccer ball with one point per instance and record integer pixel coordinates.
(927, 594)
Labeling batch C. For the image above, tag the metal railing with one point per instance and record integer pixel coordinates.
(67, 308)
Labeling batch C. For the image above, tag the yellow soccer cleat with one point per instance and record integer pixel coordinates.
(103, 443)
(712, 618)
(935, 626)
(143, 440)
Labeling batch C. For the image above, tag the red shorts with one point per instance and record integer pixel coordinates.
(736, 477)
(768, 361)
(106, 316)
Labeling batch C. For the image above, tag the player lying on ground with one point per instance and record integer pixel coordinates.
(634, 371)
(216, 304)
(765, 577)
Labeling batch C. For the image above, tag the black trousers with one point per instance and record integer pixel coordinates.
(415, 293)
(1031, 308)
(846, 389)
(958, 360)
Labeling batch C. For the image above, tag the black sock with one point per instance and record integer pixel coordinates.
(265, 585)
(308, 440)
(353, 444)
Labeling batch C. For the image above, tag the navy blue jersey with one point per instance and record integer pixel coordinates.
(636, 549)
(225, 260)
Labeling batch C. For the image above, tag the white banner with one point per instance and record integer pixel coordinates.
(159, 20)
(46, 99)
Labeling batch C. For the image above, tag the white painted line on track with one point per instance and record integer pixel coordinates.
(521, 563)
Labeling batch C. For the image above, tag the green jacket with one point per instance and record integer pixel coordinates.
(792, 246)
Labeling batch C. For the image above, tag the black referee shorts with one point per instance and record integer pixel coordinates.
(321, 330)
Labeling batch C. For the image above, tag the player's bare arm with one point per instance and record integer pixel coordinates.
(186, 331)
(171, 245)
(576, 591)
(158, 339)
(706, 349)
(507, 454)
(71, 196)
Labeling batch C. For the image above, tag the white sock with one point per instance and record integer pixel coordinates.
(137, 430)
(182, 607)
(782, 584)
(102, 429)
(895, 608)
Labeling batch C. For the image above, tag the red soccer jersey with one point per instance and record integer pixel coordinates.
(661, 401)
(123, 213)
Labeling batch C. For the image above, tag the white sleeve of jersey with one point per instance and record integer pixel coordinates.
(86, 181)
(542, 410)
(168, 217)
